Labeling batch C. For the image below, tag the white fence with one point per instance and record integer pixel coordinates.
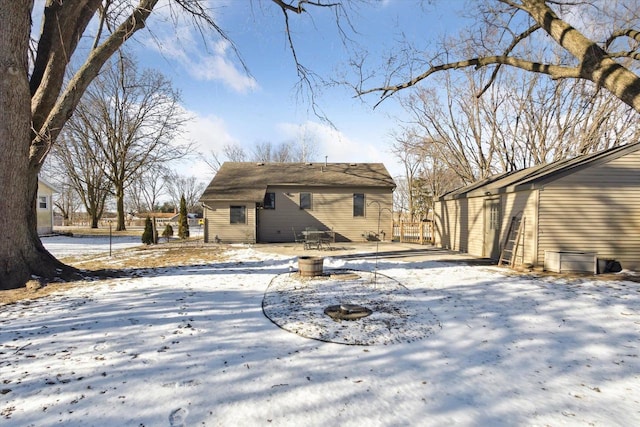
(413, 232)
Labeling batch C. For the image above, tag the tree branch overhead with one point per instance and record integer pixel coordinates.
(592, 61)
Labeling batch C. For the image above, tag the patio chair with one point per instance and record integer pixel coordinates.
(325, 243)
(312, 240)
(299, 238)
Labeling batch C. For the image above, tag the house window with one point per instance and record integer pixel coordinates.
(42, 202)
(305, 200)
(358, 204)
(238, 215)
(270, 201)
(494, 216)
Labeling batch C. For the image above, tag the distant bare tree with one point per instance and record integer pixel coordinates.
(427, 176)
(401, 198)
(458, 128)
(234, 153)
(406, 150)
(520, 121)
(178, 186)
(230, 153)
(80, 161)
(67, 202)
(147, 187)
(138, 114)
(282, 153)
(212, 160)
(435, 178)
(547, 121)
(267, 152)
(305, 147)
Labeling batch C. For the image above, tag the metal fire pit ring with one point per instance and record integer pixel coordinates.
(347, 311)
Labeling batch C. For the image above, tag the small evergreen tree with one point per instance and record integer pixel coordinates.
(183, 224)
(147, 234)
(168, 232)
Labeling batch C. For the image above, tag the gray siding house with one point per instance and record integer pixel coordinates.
(267, 202)
(589, 203)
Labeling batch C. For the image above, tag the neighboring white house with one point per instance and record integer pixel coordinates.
(44, 206)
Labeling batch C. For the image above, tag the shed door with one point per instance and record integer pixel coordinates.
(491, 248)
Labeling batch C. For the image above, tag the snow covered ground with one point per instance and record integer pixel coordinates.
(64, 246)
(189, 346)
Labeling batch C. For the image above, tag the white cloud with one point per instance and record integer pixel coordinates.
(338, 147)
(210, 61)
(220, 67)
(208, 133)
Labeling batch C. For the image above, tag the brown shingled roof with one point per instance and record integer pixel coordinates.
(539, 175)
(249, 180)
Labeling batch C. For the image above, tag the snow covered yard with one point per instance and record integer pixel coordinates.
(191, 346)
(63, 246)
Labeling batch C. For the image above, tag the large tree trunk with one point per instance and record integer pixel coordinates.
(21, 252)
(32, 117)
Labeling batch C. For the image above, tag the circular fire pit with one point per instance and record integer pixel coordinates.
(347, 311)
(304, 306)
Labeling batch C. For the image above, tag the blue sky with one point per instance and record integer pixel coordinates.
(230, 106)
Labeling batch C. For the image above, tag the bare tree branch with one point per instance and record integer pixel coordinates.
(587, 61)
(554, 71)
(507, 51)
(299, 8)
(307, 78)
(632, 34)
(632, 54)
(64, 106)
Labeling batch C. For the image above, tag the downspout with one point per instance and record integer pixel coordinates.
(50, 204)
(536, 227)
(256, 223)
(205, 236)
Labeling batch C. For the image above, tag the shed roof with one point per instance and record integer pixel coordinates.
(48, 185)
(539, 175)
(248, 181)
